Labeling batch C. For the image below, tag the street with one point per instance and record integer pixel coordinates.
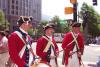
(89, 58)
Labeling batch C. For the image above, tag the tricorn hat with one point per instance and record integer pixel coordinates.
(49, 25)
(23, 19)
(76, 24)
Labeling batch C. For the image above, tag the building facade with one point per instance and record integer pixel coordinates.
(15, 8)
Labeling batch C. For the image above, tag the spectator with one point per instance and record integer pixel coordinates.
(47, 48)
(98, 40)
(73, 46)
(3, 42)
(7, 33)
(19, 43)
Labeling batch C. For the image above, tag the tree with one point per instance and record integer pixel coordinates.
(55, 20)
(1, 16)
(3, 21)
(61, 25)
(43, 22)
(90, 19)
(40, 28)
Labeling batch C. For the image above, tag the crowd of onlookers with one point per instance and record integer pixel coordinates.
(4, 41)
(95, 40)
(98, 40)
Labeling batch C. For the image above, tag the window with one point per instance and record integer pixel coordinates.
(17, 2)
(16, 7)
(12, 6)
(3, 4)
(16, 12)
(12, 1)
(12, 11)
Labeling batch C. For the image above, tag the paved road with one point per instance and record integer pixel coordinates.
(89, 58)
(91, 54)
(3, 59)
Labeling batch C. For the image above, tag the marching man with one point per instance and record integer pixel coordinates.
(46, 47)
(19, 43)
(73, 47)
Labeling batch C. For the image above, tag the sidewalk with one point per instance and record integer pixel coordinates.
(89, 64)
(85, 64)
(3, 58)
(94, 45)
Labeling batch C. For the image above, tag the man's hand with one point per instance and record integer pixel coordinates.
(70, 53)
(79, 54)
(57, 53)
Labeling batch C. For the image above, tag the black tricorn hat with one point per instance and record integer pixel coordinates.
(49, 25)
(76, 24)
(23, 19)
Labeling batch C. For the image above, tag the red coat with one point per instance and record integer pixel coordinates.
(67, 39)
(41, 44)
(15, 45)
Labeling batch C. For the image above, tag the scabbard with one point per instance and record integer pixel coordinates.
(63, 59)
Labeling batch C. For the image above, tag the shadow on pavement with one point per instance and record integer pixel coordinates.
(92, 65)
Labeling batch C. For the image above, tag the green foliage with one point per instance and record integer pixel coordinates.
(64, 26)
(43, 22)
(3, 21)
(30, 32)
(81, 28)
(99, 27)
(61, 25)
(34, 33)
(1, 17)
(55, 19)
(38, 31)
(93, 18)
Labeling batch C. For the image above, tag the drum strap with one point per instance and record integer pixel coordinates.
(22, 50)
(26, 44)
(24, 47)
(48, 44)
(75, 38)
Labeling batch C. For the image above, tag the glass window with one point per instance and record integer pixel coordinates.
(12, 11)
(12, 6)
(12, 1)
(17, 2)
(16, 12)
(3, 4)
(16, 7)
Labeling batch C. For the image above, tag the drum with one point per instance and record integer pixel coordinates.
(41, 65)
